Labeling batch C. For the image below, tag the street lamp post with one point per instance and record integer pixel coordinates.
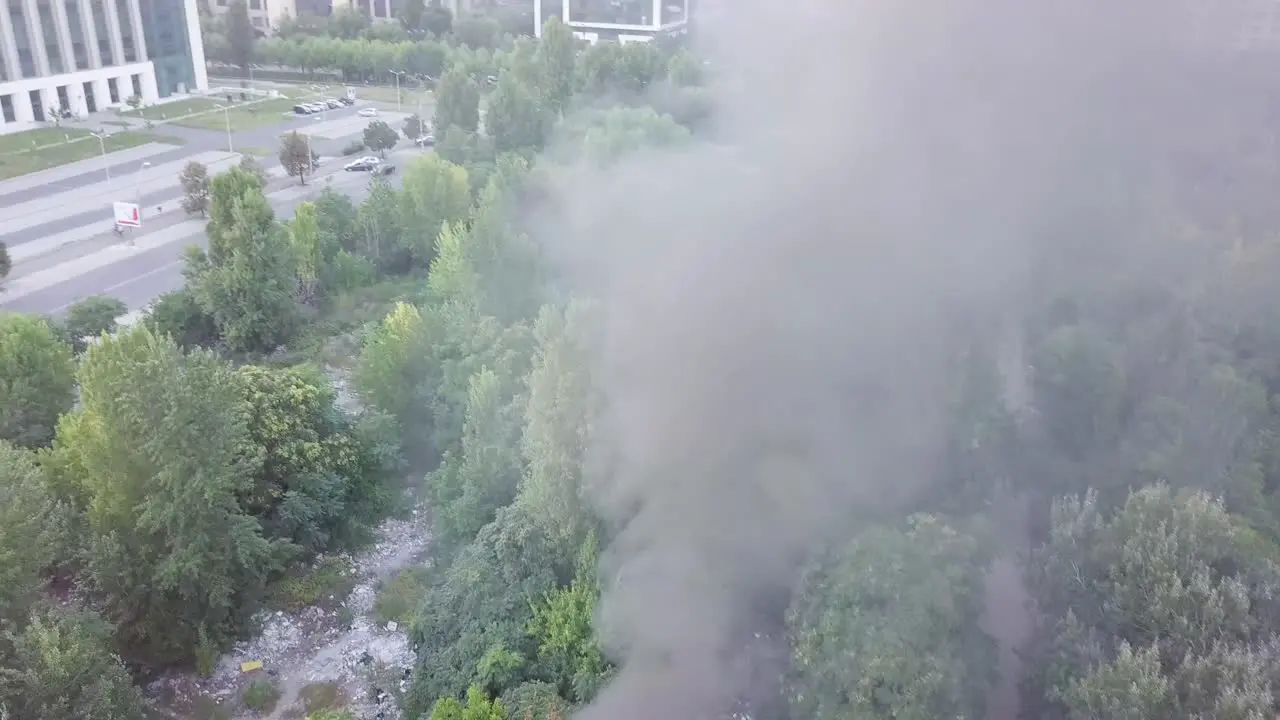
(102, 142)
(397, 73)
(226, 116)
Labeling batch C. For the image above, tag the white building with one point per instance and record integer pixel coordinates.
(82, 56)
(620, 20)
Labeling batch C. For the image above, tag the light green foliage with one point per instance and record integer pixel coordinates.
(316, 476)
(37, 383)
(304, 235)
(482, 602)
(451, 278)
(901, 606)
(61, 669)
(92, 316)
(245, 281)
(605, 136)
(507, 263)
(436, 193)
(156, 458)
(478, 707)
(35, 533)
(380, 137)
(1155, 607)
(380, 235)
(457, 102)
(536, 701)
(627, 70)
(557, 419)
(393, 362)
(563, 628)
(514, 117)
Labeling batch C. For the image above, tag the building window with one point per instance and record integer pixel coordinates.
(137, 84)
(64, 98)
(6, 106)
(612, 12)
(380, 9)
(104, 35)
(90, 102)
(78, 49)
(126, 31)
(26, 61)
(37, 106)
(50, 30)
(113, 90)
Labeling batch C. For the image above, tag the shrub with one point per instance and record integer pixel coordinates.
(261, 695)
(353, 147)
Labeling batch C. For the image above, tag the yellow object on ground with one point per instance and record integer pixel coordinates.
(250, 666)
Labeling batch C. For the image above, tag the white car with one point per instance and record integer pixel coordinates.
(368, 112)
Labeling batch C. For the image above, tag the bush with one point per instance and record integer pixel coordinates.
(355, 146)
(261, 695)
(91, 317)
(304, 587)
(399, 597)
(178, 315)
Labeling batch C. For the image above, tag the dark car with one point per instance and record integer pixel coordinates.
(364, 164)
(300, 110)
(426, 141)
(384, 169)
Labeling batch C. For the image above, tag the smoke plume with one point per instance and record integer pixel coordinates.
(783, 329)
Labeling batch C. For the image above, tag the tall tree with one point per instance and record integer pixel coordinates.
(436, 193)
(157, 454)
(92, 316)
(514, 118)
(380, 137)
(304, 234)
(36, 531)
(195, 188)
(556, 58)
(37, 380)
(245, 281)
(295, 156)
(457, 102)
(240, 35)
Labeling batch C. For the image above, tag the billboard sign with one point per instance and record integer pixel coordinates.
(127, 214)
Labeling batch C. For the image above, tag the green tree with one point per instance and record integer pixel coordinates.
(563, 628)
(435, 194)
(414, 127)
(295, 156)
(902, 606)
(245, 281)
(304, 235)
(240, 35)
(380, 231)
(156, 458)
(392, 363)
(37, 380)
(480, 606)
(556, 62)
(179, 315)
(36, 533)
(63, 669)
(91, 317)
(249, 164)
(1166, 605)
(336, 221)
(514, 118)
(380, 137)
(478, 707)
(457, 102)
(195, 188)
(557, 421)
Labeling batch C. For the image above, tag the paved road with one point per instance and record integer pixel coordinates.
(138, 270)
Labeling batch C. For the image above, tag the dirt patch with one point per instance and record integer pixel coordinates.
(331, 643)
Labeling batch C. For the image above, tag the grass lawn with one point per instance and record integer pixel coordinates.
(387, 95)
(243, 117)
(174, 109)
(44, 148)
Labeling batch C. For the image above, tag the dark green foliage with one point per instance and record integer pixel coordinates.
(37, 384)
(92, 316)
(179, 315)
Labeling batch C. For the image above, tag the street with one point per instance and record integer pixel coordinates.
(58, 224)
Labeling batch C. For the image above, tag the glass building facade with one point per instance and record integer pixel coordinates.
(168, 45)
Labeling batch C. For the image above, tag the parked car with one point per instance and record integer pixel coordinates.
(364, 164)
(383, 169)
(347, 100)
(301, 110)
(426, 141)
(332, 103)
(368, 112)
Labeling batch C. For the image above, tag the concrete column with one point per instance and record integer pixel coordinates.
(90, 28)
(196, 43)
(35, 33)
(656, 19)
(150, 92)
(564, 12)
(139, 37)
(113, 29)
(101, 94)
(9, 45)
(63, 25)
